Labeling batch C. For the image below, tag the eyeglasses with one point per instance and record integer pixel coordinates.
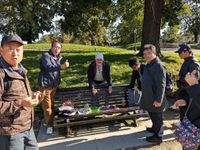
(146, 55)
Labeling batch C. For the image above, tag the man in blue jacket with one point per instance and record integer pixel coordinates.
(49, 79)
(99, 75)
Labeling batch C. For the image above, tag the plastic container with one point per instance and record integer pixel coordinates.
(95, 109)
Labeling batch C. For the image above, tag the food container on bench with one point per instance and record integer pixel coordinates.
(94, 109)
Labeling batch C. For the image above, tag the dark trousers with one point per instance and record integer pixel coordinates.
(182, 111)
(157, 121)
(102, 89)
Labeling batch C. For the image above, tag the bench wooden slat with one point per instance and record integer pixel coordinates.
(83, 122)
(120, 110)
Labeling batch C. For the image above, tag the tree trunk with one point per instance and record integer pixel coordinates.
(151, 24)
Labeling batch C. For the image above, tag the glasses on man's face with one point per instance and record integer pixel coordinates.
(146, 55)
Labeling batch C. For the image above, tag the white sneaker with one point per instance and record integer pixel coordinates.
(50, 130)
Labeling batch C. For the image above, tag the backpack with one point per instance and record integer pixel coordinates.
(169, 81)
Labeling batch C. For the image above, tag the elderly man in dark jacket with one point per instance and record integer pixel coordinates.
(190, 64)
(153, 91)
(99, 75)
(17, 101)
(49, 79)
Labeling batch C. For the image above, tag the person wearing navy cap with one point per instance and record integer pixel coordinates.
(189, 65)
(17, 101)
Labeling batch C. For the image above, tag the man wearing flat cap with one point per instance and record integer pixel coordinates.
(17, 101)
(99, 75)
(189, 65)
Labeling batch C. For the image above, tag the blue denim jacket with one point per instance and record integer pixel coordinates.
(49, 75)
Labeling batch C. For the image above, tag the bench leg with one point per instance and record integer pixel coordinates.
(69, 130)
(134, 123)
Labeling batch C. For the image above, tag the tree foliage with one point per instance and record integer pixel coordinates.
(130, 15)
(192, 20)
(171, 34)
(87, 20)
(98, 22)
(172, 11)
(27, 18)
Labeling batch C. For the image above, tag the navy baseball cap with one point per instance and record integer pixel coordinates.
(11, 38)
(183, 47)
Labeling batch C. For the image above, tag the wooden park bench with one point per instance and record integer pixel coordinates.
(82, 95)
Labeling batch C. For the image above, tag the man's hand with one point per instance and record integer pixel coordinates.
(176, 77)
(94, 91)
(191, 79)
(65, 65)
(110, 89)
(180, 103)
(157, 104)
(39, 95)
(29, 102)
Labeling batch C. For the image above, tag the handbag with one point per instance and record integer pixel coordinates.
(134, 97)
(187, 133)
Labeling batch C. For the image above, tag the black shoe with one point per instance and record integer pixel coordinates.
(154, 139)
(150, 130)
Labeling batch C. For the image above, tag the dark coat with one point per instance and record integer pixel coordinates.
(153, 86)
(49, 75)
(14, 118)
(105, 70)
(136, 76)
(194, 110)
(188, 65)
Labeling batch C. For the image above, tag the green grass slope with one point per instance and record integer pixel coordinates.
(80, 56)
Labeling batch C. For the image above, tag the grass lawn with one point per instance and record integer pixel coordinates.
(80, 56)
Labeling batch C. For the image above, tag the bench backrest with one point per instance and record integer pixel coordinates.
(82, 95)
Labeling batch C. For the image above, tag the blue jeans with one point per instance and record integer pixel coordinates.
(21, 141)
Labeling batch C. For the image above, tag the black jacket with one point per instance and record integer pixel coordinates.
(194, 110)
(136, 76)
(106, 73)
(190, 64)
